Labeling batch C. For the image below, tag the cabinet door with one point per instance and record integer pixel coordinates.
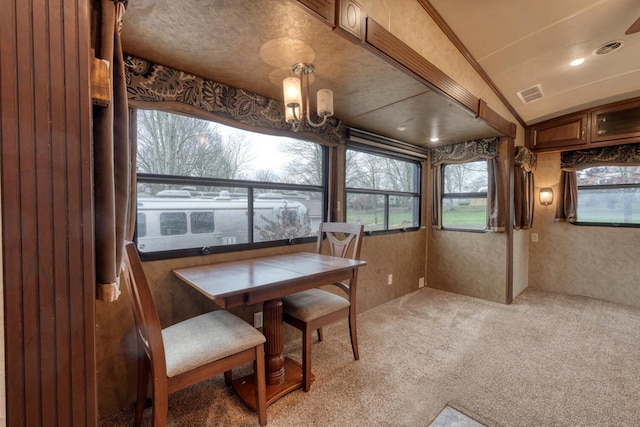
(618, 122)
(556, 134)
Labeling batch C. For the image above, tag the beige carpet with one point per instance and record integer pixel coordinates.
(545, 360)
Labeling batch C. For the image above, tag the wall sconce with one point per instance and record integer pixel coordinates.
(546, 196)
(296, 99)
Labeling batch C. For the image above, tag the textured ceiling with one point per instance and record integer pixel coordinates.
(522, 43)
(252, 45)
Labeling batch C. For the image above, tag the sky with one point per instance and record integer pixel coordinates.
(265, 157)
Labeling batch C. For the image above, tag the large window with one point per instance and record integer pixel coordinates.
(198, 182)
(464, 195)
(383, 192)
(609, 195)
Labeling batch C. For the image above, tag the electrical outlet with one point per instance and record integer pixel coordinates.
(421, 282)
(257, 320)
(390, 279)
(534, 237)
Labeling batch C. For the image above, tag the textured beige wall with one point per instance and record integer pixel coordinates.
(466, 263)
(520, 261)
(598, 262)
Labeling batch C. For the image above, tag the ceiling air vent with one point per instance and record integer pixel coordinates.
(530, 94)
(608, 48)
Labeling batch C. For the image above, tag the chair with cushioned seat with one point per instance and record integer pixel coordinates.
(190, 351)
(310, 310)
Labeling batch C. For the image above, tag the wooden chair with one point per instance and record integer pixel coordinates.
(310, 310)
(187, 352)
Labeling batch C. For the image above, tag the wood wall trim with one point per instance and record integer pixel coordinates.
(428, 7)
(47, 216)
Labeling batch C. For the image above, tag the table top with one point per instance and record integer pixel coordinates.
(258, 279)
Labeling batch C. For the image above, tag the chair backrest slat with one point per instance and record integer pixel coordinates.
(342, 237)
(144, 309)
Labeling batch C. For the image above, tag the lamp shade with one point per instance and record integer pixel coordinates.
(292, 92)
(546, 196)
(325, 102)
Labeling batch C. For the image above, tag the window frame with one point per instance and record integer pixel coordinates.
(250, 186)
(363, 148)
(464, 195)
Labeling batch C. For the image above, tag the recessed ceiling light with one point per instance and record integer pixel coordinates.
(576, 62)
(402, 128)
(435, 139)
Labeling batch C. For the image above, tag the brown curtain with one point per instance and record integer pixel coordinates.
(436, 201)
(114, 160)
(568, 197)
(523, 188)
(523, 185)
(495, 197)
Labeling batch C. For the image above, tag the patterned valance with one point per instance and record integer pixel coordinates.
(526, 159)
(628, 154)
(486, 148)
(149, 82)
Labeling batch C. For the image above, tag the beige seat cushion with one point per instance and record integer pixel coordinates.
(206, 338)
(312, 304)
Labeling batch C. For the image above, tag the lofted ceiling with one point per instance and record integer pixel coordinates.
(524, 43)
(253, 44)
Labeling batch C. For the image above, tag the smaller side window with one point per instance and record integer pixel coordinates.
(609, 195)
(173, 223)
(202, 222)
(464, 196)
(141, 225)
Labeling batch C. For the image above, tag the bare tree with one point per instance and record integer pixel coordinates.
(266, 175)
(173, 144)
(306, 166)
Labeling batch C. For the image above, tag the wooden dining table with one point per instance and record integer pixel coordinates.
(266, 280)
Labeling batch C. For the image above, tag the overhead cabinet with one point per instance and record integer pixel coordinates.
(616, 123)
(560, 133)
(612, 124)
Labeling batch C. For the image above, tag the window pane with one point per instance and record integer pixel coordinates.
(618, 206)
(609, 175)
(375, 172)
(218, 217)
(464, 213)
(404, 212)
(464, 202)
(367, 209)
(609, 194)
(280, 216)
(172, 144)
(466, 177)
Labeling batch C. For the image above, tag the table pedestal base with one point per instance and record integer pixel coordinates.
(245, 386)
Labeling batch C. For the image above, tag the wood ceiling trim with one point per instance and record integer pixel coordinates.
(428, 7)
(398, 53)
(495, 120)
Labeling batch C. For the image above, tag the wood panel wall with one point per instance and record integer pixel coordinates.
(47, 218)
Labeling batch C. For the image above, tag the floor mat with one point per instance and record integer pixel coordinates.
(450, 417)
